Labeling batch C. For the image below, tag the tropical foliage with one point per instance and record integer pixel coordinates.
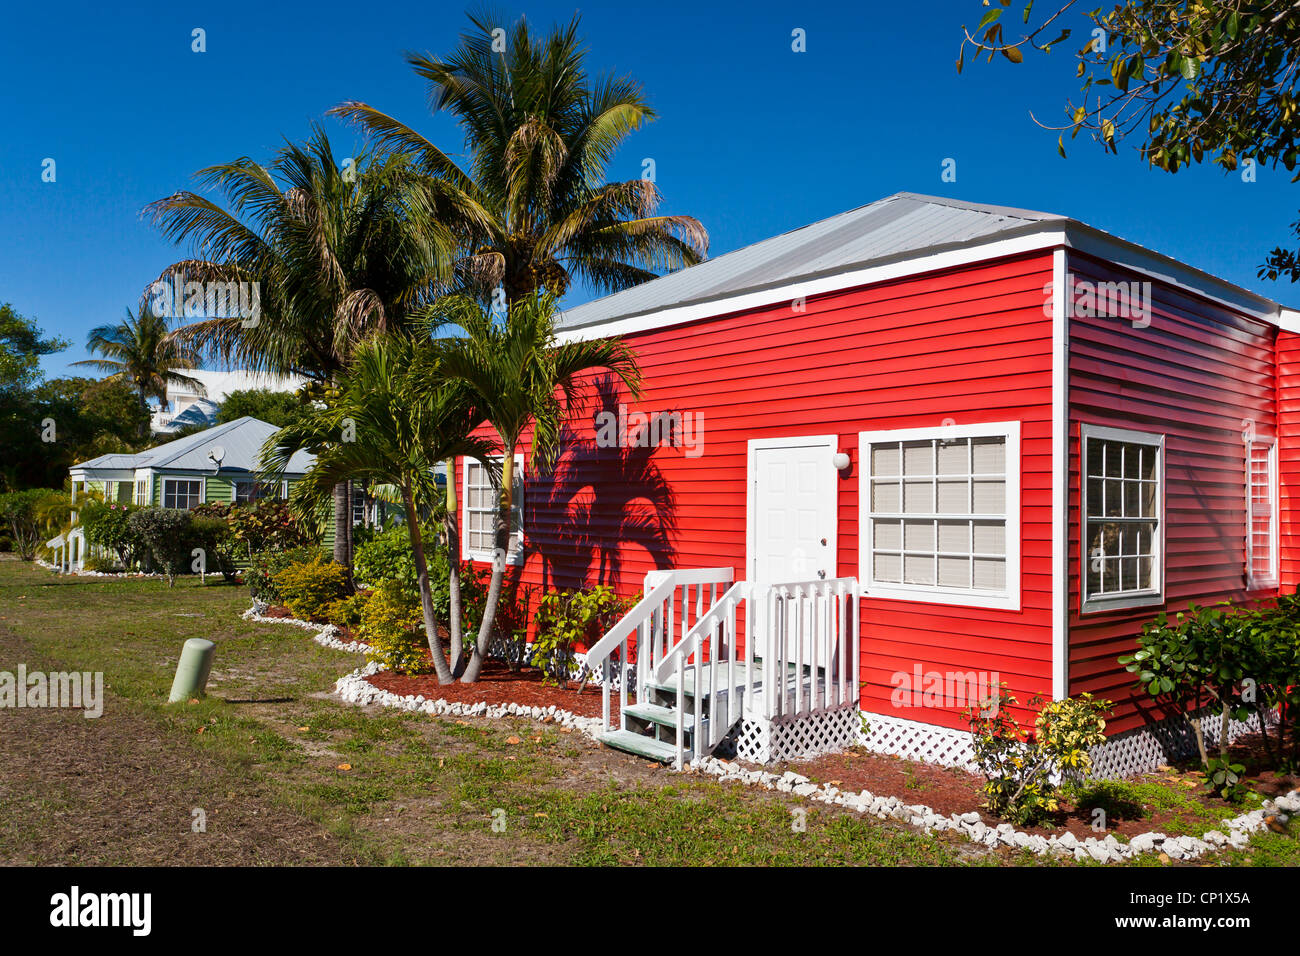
(140, 350)
(520, 377)
(1209, 78)
(541, 134)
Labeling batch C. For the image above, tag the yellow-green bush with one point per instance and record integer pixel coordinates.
(346, 612)
(393, 626)
(309, 587)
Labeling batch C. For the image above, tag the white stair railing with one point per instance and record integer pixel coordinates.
(807, 637)
(800, 658)
(655, 626)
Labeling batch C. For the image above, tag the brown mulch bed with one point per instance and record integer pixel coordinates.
(951, 790)
(497, 684)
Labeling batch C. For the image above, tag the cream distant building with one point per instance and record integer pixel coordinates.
(185, 407)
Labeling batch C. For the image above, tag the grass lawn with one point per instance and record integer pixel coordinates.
(279, 772)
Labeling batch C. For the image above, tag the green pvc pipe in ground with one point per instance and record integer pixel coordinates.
(192, 671)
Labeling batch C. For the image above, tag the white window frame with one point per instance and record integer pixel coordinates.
(203, 491)
(1270, 580)
(515, 557)
(236, 482)
(1124, 600)
(142, 492)
(1009, 597)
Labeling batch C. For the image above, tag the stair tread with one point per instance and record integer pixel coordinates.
(655, 713)
(634, 743)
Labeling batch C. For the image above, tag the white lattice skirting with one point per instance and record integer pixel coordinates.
(914, 740)
(1125, 755)
(763, 741)
(1143, 749)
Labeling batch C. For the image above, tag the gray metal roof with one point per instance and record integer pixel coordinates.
(241, 440)
(897, 226)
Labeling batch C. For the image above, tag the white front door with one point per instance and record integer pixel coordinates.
(792, 511)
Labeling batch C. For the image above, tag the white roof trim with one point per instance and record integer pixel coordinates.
(911, 265)
(1047, 235)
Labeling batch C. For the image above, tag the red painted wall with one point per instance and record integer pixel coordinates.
(970, 344)
(1195, 375)
(1288, 459)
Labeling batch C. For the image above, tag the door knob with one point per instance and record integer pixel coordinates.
(823, 542)
(821, 574)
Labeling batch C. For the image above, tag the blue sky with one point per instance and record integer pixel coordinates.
(753, 138)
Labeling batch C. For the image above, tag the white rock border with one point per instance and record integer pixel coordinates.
(83, 573)
(1106, 850)
(353, 688)
(326, 635)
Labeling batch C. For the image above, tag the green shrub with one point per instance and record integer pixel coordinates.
(267, 525)
(211, 532)
(387, 556)
(109, 526)
(265, 565)
(566, 619)
(1022, 770)
(101, 564)
(1241, 661)
(308, 588)
(392, 624)
(25, 515)
(168, 534)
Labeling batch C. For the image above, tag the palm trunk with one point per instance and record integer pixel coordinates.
(426, 590)
(451, 523)
(342, 525)
(501, 540)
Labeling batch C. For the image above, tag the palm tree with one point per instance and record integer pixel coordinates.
(141, 351)
(540, 136)
(405, 418)
(338, 252)
(520, 378)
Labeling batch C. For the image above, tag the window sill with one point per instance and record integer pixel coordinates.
(515, 558)
(999, 600)
(1122, 602)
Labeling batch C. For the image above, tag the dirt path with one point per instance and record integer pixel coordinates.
(110, 791)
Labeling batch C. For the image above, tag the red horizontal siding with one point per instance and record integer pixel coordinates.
(1288, 459)
(1195, 375)
(970, 344)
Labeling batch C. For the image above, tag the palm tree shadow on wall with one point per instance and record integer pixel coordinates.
(600, 499)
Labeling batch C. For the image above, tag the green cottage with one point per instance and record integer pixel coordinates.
(219, 464)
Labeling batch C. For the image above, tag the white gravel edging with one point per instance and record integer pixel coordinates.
(326, 635)
(1235, 833)
(83, 573)
(355, 689)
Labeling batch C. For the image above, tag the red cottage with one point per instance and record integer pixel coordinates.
(897, 457)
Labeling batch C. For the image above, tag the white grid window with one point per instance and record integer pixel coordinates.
(1123, 505)
(481, 508)
(246, 492)
(182, 492)
(142, 491)
(940, 511)
(1261, 518)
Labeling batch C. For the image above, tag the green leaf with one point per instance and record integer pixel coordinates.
(988, 18)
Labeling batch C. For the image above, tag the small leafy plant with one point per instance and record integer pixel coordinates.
(1023, 769)
(566, 619)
